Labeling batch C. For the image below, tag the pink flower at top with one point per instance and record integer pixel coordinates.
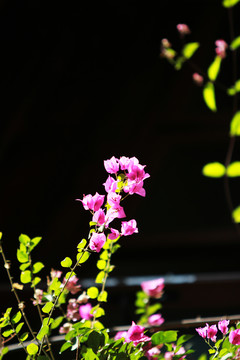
(114, 234)
(198, 79)
(86, 201)
(202, 331)
(92, 202)
(99, 217)
(97, 241)
(129, 227)
(234, 337)
(136, 334)
(124, 162)
(153, 288)
(211, 332)
(110, 184)
(55, 274)
(73, 310)
(155, 320)
(113, 199)
(223, 326)
(112, 165)
(183, 29)
(72, 285)
(221, 47)
(120, 335)
(137, 173)
(84, 311)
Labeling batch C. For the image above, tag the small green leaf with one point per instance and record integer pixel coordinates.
(233, 170)
(24, 266)
(69, 274)
(43, 332)
(25, 276)
(38, 266)
(92, 223)
(97, 311)
(93, 292)
(214, 170)
(24, 336)
(189, 49)
(24, 239)
(209, 96)
(4, 350)
(55, 285)
(104, 255)
(229, 3)
(101, 264)
(47, 307)
(22, 256)
(100, 277)
(32, 349)
(81, 258)
(16, 318)
(19, 327)
(7, 333)
(82, 244)
(214, 68)
(34, 242)
(183, 339)
(236, 215)
(102, 297)
(67, 262)
(65, 346)
(56, 322)
(35, 281)
(235, 125)
(163, 337)
(235, 43)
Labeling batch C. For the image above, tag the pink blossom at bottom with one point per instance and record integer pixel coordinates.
(97, 241)
(155, 320)
(152, 353)
(136, 334)
(234, 337)
(120, 335)
(73, 310)
(84, 311)
(72, 285)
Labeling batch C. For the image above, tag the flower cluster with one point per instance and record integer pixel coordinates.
(129, 176)
(210, 332)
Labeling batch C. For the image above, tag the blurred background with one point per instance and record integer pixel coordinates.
(81, 82)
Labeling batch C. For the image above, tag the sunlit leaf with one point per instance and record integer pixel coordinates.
(43, 331)
(101, 264)
(65, 346)
(235, 43)
(100, 277)
(16, 318)
(235, 125)
(24, 266)
(92, 292)
(214, 68)
(24, 239)
(69, 274)
(233, 170)
(38, 266)
(25, 276)
(35, 281)
(32, 349)
(102, 297)
(229, 3)
(7, 333)
(47, 307)
(82, 244)
(81, 258)
(19, 327)
(236, 215)
(56, 322)
(24, 336)
(67, 262)
(22, 256)
(209, 96)
(162, 337)
(189, 49)
(34, 242)
(214, 170)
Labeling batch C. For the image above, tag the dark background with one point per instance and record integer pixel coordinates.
(82, 82)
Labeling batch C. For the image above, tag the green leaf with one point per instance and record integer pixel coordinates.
(47, 307)
(69, 274)
(7, 333)
(55, 285)
(93, 292)
(43, 332)
(81, 258)
(229, 3)
(19, 327)
(67, 262)
(235, 43)
(94, 340)
(25, 276)
(24, 239)
(90, 355)
(214, 68)
(102, 297)
(235, 125)
(16, 318)
(214, 170)
(22, 256)
(101, 264)
(236, 215)
(153, 308)
(189, 49)
(163, 337)
(183, 339)
(100, 277)
(56, 322)
(97, 311)
(4, 350)
(104, 255)
(32, 349)
(24, 266)
(233, 170)
(38, 266)
(203, 357)
(65, 346)
(209, 96)
(24, 336)
(35, 281)
(34, 242)
(82, 244)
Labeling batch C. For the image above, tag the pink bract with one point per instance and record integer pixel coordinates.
(99, 217)
(155, 320)
(183, 29)
(84, 311)
(136, 334)
(111, 165)
(153, 288)
(234, 337)
(72, 285)
(114, 234)
(223, 326)
(211, 332)
(129, 227)
(97, 241)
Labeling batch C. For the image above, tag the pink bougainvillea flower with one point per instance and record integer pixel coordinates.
(55, 274)
(202, 331)
(234, 337)
(86, 201)
(221, 47)
(223, 326)
(135, 188)
(152, 353)
(72, 285)
(114, 234)
(38, 294)
(84, 311)
(136, 334)
(153, 288)
(124, 162)
(73, 310)
(111, 165)
(155, 320)
(198, 79)
(120, 335)
(166, 43)
(110, 184)
(113, 199)
(97, 241)
(183, 29)
(65, 328)
(99, 217)
(211, 332)
(92, 202)
(113, 213)
(137, 173)
(129, 227)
